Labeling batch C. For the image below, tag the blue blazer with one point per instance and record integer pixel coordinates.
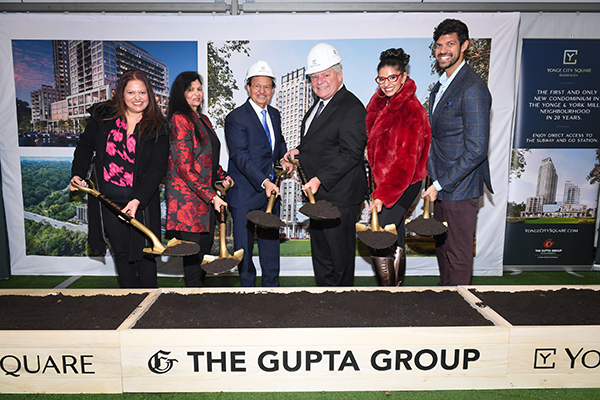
(460, 134)
(251, 160)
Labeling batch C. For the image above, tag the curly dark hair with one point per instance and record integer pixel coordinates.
(153, 118)
(449, 26)
(177, 101)
(395, 58)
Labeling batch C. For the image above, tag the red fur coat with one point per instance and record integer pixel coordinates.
(398, 142)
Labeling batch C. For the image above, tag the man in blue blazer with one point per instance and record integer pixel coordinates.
(460, 104)
(255, 143)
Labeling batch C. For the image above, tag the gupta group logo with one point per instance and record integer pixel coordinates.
(569, 57)
(548, 243)
(159, 363)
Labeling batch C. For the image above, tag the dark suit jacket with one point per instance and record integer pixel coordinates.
(250, 157)
(460, 128)
(333, 150)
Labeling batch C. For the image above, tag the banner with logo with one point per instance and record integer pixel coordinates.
(43, 114)
(555, 166)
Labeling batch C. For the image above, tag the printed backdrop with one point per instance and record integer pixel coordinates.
(285, 40)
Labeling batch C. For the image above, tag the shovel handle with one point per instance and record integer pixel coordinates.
(426, 207)
(271, 203)
(375, 221)
(157, 246)
(222, 243)
(303, 179)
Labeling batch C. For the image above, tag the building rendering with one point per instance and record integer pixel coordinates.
(86, 72)
(41, 100)
(547, 181)
(293, 100)
(571, 193)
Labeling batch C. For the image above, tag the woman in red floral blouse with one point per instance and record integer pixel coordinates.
(192, 171)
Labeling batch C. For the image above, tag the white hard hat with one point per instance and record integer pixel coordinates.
(322, 57)
(259, 68)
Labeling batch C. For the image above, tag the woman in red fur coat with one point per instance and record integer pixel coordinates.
(399, 135)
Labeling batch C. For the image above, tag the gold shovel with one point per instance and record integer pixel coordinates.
(267, 219)
(174, 247)
(423, 225)
(375, 236)
(317, 210)
(225, 262)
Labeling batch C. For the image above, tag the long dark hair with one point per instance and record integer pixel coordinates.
(152, 119)
(177, 101)
(395, 58)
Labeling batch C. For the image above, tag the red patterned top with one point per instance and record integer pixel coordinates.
(120, 155)
(189, 186)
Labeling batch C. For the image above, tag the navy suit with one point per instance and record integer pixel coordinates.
(251, 161)
(458, 160)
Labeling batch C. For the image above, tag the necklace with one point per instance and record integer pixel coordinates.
(388, 98)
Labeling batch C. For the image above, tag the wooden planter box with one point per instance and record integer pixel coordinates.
(304, 359)
(61, 361)
(550, 356)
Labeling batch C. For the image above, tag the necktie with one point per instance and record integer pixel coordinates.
(318, 110)
(266, 126)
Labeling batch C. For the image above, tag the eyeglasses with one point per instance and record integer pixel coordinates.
(258, 87)
(392, 78)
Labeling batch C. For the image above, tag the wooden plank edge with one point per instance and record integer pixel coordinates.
(140, 310)
(483, 309)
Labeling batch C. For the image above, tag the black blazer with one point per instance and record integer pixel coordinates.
(151, 156)
(333, 150)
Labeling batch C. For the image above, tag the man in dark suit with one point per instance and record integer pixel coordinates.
(255, 143)
(460, 104)
(331, 152)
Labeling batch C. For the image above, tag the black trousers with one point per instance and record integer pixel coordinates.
(132, 274)
(333, 248)
(192, 265)
(396, 214)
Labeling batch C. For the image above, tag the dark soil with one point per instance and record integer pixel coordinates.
(377, 240)
(545, 307)
(321, 210)
(182, 248)
(308, 310)
(426, 227)
(266, 220)
(220, 265)
(59, 312)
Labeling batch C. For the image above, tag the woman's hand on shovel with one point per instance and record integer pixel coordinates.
(77, 180)
(131, 208)
(377, 204)
(217, 202)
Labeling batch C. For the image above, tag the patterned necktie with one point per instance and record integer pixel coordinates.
(321, 104)
(266, 126)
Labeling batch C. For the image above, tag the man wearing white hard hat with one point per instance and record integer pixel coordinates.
(331, 152)
(255, 143)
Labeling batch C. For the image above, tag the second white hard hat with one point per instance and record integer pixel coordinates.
(259, 68)
(322, 57)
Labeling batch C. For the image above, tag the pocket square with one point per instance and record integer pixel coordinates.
(448, 104)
